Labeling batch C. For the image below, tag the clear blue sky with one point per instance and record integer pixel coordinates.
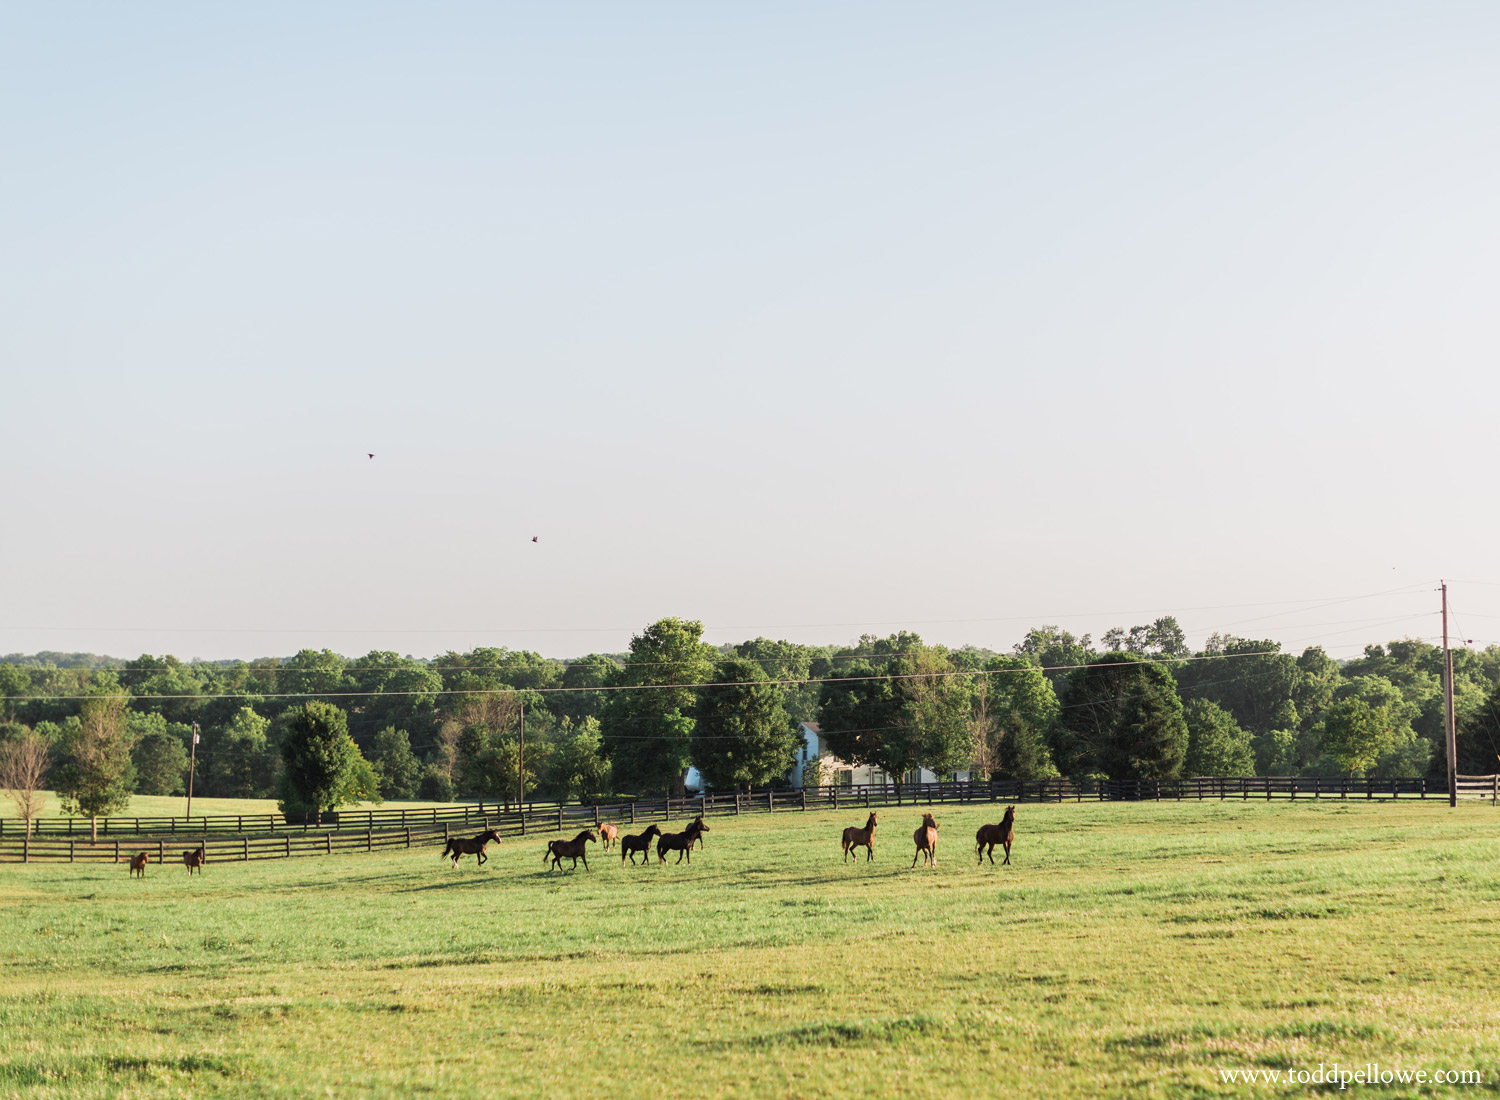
(803, 320)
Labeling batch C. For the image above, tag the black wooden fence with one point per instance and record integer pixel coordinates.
(240, 837)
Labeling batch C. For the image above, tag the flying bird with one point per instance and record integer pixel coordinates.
(368, 453)
(533, 538)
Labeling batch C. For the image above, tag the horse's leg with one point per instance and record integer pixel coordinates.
(1007, 854)
(480, 856)
(914, 858)
(585, 861)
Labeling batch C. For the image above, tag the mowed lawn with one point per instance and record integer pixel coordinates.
(1130, 950)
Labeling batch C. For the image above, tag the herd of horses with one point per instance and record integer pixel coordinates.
(193, 859)
(855, 837)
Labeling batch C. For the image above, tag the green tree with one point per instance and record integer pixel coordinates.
(97, 775)
(1253, 680)
(161, 764)
(647, 729)
(321, 761)
(1055, 650)
(403, 693)
(579, 703)
(1352, 734)
(437, 785)
(238, 758)
(397, 768)
(576, 764)
(918, 714)
(1015, 710)
(1216, 744)
(742, 735)
(1163, 638)
(1120, 717)
(782, 660)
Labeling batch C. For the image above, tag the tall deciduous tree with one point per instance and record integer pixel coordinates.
(647, 729)
(576, 764)
(397, 768)
(97, 776)
(161, 763)
(1216, 744)
(743, 736)
(1120, 717)
(916, 714)
(322, 762)
(1019, 708)
(238, 758)
(1352, 734)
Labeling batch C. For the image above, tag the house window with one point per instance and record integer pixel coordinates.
(846, 777)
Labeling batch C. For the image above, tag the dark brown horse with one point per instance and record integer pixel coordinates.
(861, 838)
(926, 840)
(459, 846)
(630, 845)
(138, 864)
(990, 835)
(681, 843)
(193, 860)
(575, 849)
(608, 832)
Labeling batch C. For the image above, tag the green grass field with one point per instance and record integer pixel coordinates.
(1130, 950)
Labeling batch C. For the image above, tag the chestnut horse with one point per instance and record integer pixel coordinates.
(990, 835)
(575, 849)
(470, 846)
(681, 843)
(138, 864)
(608, 832)
(193, 860)
(630, 845)
(861, 838)
(926, 839)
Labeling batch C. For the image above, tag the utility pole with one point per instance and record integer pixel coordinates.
(1450, 728)
(192, 767)
(521, 764)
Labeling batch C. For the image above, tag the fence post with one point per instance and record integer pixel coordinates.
(835, 800)
(408, 834)
(596, 817)
(804, 800)
(70, 850)
(369, 839)
(244, 849)
(632, 811)
(770, 802)
(117, 851)
(161, 852)
(26, 849)
(445, 834)
(286, 840)
(559, 817)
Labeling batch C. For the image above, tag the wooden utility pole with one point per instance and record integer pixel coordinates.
(1450, 728)
(521, 764)
(192, 767)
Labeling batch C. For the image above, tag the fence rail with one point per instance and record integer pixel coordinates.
(274, 832)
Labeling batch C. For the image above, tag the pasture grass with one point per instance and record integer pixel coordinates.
(1130, 950)
(160, 805)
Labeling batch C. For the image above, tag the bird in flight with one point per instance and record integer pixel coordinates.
(533, 538)
(368, 453)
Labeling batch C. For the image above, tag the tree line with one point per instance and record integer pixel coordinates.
(317, 730)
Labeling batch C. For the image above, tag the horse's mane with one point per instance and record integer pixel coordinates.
(586, 833)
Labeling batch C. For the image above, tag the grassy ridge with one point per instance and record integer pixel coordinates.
(1130, 950)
